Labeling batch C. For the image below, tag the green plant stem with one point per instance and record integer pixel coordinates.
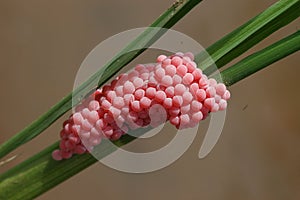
(261, 59)
(40, 172)
(246, 36)
(136, 47)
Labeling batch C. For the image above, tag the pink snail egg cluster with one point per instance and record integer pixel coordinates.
(172, 89)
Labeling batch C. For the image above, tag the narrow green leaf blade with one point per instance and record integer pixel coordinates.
(261, 59)
(40, 173)
(249, 34)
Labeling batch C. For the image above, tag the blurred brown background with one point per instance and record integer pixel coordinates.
(258, 155)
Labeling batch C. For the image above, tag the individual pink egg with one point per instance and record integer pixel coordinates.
(197, 73)
(166, 62)
(185, 109)
(160, 96)
(170, 70)
(179, 89)
(175, 120)
(197, 116)
(176, 61)
(139, 93)
(187, 97)
(177, 101)
(135, 106)
(167, 81)
(170, 91)
(220, 88)
(222, 104)
(94, 105)
(209, 103)
(118, 102)
(226, 95)
(161, 58)
(201, 95)
(181, 70)
(145, 102)
(128, 87)
(210, 91)
(176, 80)
(56, 155)
(160, 73)
(138, 82)
(196, 105)
(174, 111)
(188, 78)
(168, 103)
(150, 92)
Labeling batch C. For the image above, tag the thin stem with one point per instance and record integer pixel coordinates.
(261, 59)
(40, 173)
(246, 36)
